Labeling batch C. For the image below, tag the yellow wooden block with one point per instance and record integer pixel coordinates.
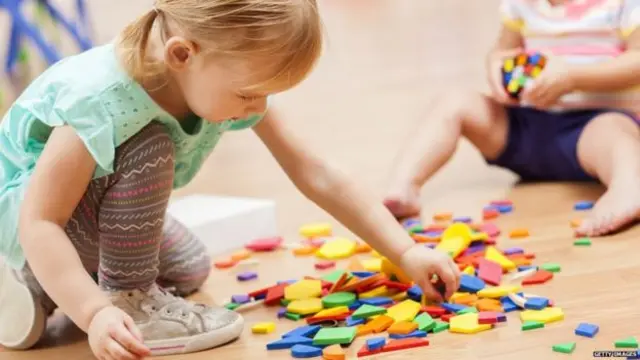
(304, 250)
(374, 253)
(479, 236)
(333, 311)
(240, 255)
(496, 256)
(379, 291)
(263, 328)
(546, 315)
(457, 230)
(457, 295)
(399, 296)
(404, 311)
(469, 270)
(392, 270)
(453, 246)
(303, 289)
(338, 248)
(467, 324)
(316, 230)
(305, 307)
(498, 291)
(374, 265)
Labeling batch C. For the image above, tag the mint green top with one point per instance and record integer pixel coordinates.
(91, 93)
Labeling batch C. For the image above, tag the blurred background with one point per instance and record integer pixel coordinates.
(384, 60)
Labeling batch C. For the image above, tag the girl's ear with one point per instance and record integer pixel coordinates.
(179, 53)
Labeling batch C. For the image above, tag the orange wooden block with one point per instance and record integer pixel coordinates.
(224, 263)
(379, 324)
(424, 238)
(519, 233)
(355, 265)
(443, 216)
(435, 228)
(338, 284)
(363, 283)
(519, 259)
(333, 352)
(402, 328)
(576, 223)
(362, 248)
(363, 330)
(240, 255)
(489, 305)
(304, 250)
(466, 299)
(490, 214)
(540, 277)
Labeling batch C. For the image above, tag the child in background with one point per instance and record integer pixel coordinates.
(91, 151)
(575, 122)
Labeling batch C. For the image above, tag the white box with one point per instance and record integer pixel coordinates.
(225, 223)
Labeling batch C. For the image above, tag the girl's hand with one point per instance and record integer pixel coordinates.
(114, 336)
(554, 81)
(421, 263)
(494, 64)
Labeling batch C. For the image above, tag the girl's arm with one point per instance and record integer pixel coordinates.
(350, 204)
(617, 74)
(57, 185)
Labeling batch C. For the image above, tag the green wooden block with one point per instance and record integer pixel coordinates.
(467, 310)
(232, 306)
(294, 317)
(530, 325)
(566, 348)
(425, 322)
(630, 342)
(285, 302)
(416, 229)
(367, 311)
(440, 326)
(551, 267)
(331, 336)
(335, 276)
(338, 299)
(582, 242)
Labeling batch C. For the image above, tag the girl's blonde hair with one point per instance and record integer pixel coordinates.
(287, 32)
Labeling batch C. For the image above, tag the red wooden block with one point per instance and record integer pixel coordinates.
(371, 286)
(490, 272)
(501, 202)
(530, 256)
(265, 244)
(487, 317)
(364, 351)
(434, 311)
(402, 344)
(396, 285)
(491, 229)
(364, 282)
(540, 277)
(259, 292)
(325, 265)
(446, 317)
(338, 284)
(275, 294)
(490, 241)
(341, 317)
(490, 214)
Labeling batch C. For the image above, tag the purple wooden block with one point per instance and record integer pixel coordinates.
(463, 219)
(247, 276)
(281, 313)
(513, 250)
(409, 223)
(430, 246)
(473, 249)
(502, 317)
(240, 299)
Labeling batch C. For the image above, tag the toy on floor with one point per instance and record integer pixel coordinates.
(518, 71)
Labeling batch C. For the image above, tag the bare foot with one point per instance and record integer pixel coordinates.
(403, 201)
(616, 209)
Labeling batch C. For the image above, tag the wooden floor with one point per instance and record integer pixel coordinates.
(384, 59)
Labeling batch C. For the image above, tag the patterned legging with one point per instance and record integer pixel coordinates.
(121, 229)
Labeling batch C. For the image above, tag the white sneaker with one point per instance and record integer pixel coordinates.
(23, 318)
(173, 325)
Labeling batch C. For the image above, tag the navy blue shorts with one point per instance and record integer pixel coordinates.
(542, 145)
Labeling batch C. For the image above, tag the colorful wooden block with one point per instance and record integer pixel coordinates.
(413, 334)
(630, 342)
(316, 230)
(246, 276)
(440, 326)
(323, 265)
(338, 299)
(442, 216)
(303, 331)
(263, 328)
(565, 348)
(547, 315)
(467, 324)
(489, 305)
(304, 250)
(265, 244)
(532, 325)
(379, 324)
(377, 301)
(490, 272)
(305, 351)
(471, 284)
(305, 307)
(583, 205)
(339, 310)
(240, 255)
(338, 248)
(372, 264)
(582, 242)
(402, 344)
(392, 271)
(536, 303)
(330, 336)
(303, 289)
(496, 256)
(424, 322)
(575, 223)
(434, 311)
(519, 233)
(404, 311)
(366, 311)
(551, 267)
(402, 327)
(240, 299)
(498, 291)
(333, 352)
(289, 342)
(490, 317)
(587, 330)
(224, 263)
(354, 322)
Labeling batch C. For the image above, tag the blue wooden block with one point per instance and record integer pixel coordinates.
(305, 351)
(376, 343)
(501, 317)
(292, 281)
(583, 205)
(415, 293)
(588, 330)
(355, 305)
(260, 296)
(289, 342)
(363, 274)
(503, 209)
(246, 276)
(470, 283)
(454, 308)
(415, 334)
(353, 322)
(527, 267)
(303, 331)
(508, 305)
(377, 301)
(536, 303)
(409, 223)
(462, 219)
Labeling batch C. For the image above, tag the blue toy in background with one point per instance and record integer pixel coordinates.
(518, 71)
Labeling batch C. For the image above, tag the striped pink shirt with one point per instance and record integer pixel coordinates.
(580, 31)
